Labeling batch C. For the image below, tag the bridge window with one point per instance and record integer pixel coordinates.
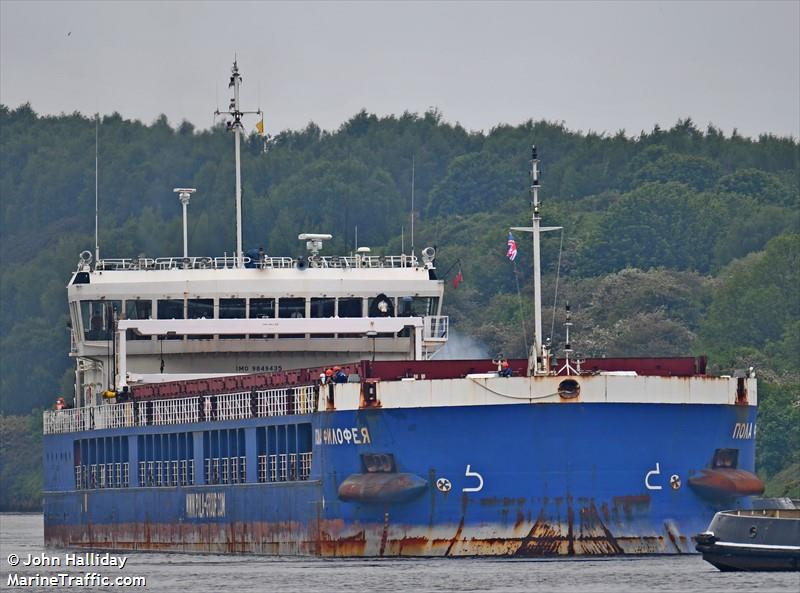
(292, 308)
(200, 309)
(138, 309)
(262, 308)
(232, 309)
(351, 307)
(417, 306)
(98, 318)
(170, 309)
(321, 308)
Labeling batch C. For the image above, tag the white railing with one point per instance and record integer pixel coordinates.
(225, 470)
(283, 467)
(170, 263)
(264, 262)
(101, 475)
(284, 401)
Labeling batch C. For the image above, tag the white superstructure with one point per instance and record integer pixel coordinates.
(291, 313)
(164, 319)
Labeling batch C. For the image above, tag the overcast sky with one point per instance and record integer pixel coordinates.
(602, 66)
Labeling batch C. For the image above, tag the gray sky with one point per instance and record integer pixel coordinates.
(594, 65)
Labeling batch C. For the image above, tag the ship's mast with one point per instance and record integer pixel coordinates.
(537, 265)
(539, 358)
(236, 126)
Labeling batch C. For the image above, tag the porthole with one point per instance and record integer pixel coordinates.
(569, 389)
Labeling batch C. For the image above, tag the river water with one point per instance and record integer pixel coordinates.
(21, 535)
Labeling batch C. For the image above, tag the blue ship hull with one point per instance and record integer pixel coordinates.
(514, 480)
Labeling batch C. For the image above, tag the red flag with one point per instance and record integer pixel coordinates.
(458, 279)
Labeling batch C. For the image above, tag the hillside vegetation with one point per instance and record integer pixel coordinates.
(676, 242)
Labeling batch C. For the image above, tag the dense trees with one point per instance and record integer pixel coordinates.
(676, 241)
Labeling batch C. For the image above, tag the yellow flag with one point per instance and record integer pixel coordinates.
(260, 127)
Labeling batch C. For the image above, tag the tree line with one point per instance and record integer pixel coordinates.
(677, 241)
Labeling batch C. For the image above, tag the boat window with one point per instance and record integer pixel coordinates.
(351, 308)
(417, 306)
(170, 309)
(232, 309)
(725, 458)
(98, 318)
(291, 308)
(138, 309)
(320, 308)
(262, 309)
(200, 309)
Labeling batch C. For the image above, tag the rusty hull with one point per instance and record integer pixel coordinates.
(561, 528)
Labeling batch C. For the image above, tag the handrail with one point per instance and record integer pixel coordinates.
(263, 262)
(285, 401)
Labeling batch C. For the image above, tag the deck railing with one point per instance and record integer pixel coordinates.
(284, 467)
(265, 262)
(285, 401)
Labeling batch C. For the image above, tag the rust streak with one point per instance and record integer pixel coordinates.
(455, 537)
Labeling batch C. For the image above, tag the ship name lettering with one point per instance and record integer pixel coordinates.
(203, 505)
(342, 436)
(744, 430)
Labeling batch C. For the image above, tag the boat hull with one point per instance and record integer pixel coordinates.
(513, 480)
(754, 540)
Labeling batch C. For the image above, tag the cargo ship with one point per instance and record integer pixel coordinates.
(300, 406)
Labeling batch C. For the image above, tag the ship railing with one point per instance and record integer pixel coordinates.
(263, 262)
(167, 473)
(225, 470)
(362, 261)
(284, 401)
(171, 263)
(305, 465)
(284, 467)
(102, 475)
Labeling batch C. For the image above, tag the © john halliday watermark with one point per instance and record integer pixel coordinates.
(67, 579)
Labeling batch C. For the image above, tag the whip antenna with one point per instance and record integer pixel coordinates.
(96, 193)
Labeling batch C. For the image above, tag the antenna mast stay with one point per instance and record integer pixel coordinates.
(237, 127)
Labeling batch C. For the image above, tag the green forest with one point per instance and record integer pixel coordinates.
(679, 241)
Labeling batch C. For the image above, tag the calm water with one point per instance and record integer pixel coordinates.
(21, 534)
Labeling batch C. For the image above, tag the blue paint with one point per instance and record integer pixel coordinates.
(572, 466)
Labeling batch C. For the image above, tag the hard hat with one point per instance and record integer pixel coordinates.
(60, 399)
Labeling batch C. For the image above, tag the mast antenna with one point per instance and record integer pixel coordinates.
(539, 358)
(96, 193)
(413, 179)
(237, 128)
(568, 368)
(537, 264)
